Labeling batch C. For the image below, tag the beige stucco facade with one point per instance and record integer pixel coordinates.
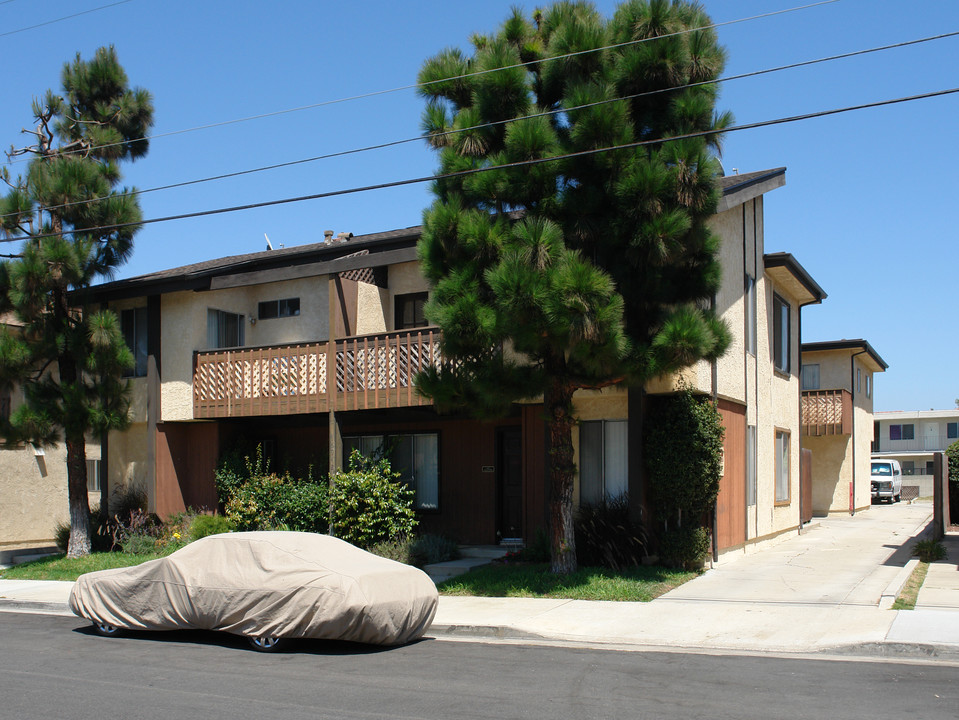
(841, 462)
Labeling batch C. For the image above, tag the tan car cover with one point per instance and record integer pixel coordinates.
(265, 584)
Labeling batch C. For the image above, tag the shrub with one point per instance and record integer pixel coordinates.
(269, 501)
(204, 525)
(399, 550)
(929, 550)
(368, 505)
(428, 549)
(125, 499)
(101, 539)
(952, 457)
(606, 537)
(684, 547)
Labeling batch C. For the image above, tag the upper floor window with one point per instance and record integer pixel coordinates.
(290, 307)
(810, 377)
(868, 385)
(750, 314)
(952, 430)
(133, 323)
(782, 345)
(224, 329)
(858, 380)
(410, 311)
(902, 432)
(602, 460)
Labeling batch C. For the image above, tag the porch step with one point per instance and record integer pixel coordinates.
(490, 552)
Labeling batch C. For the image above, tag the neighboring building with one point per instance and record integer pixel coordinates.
(242, 346)
(838, 379)
(912, 437)
(33, 487)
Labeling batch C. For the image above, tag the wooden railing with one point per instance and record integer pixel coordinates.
(373, 371)
(826, 412)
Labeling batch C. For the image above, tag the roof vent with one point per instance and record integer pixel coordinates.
(344, 236)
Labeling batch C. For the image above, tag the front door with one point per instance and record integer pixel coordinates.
(509, 469)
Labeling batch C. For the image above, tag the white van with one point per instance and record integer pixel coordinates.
(886, 480)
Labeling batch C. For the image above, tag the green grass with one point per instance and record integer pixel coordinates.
(638, 584)
(59, 567)
(910, 591)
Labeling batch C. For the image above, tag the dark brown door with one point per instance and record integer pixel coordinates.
(509, 469)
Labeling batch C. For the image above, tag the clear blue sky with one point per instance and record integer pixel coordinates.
(867, 209)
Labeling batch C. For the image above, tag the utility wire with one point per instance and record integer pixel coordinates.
(401, 88)
(447, 133)
(506, 166)
(61, 19)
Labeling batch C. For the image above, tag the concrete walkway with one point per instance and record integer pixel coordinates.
(826, 591)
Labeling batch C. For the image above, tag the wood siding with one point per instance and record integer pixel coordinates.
(826, 412)
(186, 455)
(731, 503)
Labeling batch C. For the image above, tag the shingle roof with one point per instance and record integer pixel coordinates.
(197, 275)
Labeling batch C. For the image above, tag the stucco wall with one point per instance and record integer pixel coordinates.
(831, 473)
(127, 458)
(183, 318)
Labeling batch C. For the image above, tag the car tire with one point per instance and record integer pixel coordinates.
(267, 644)
(106, 630)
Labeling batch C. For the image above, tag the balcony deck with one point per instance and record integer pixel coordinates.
(370, 372)
(826, 412)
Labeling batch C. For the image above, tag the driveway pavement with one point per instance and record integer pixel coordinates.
(827, 590)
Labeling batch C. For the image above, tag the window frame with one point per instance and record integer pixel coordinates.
(418, 301)
(752, 474)
(136, 339)
(93, 475)
(952, 430)
(806, 383)
(276, 309)
(604, 458)
(387, 439)
(220, 315)
(784, 455)
(782, 336)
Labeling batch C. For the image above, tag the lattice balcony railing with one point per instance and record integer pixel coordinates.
(826, 412)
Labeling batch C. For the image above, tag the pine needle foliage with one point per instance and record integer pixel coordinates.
(588, 271)
(77, 226)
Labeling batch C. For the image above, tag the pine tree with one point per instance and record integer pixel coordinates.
(76, 226)
(586, 271)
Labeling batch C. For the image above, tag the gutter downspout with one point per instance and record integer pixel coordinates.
(852, 391)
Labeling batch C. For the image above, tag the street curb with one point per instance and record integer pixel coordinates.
(36, 607)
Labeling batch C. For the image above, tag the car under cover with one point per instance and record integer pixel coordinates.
(265, 584)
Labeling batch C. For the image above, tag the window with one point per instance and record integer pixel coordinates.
(908, 467)
(133, 323)
(223, 329)
(750, 315)
(875, 437)
(278, 308)
(930, 467)
(952, 430)
(902, 432)
(782, 467)
(810, 377)
(410, 311)
(751, 477)
(93, 475)
(602, 460)
(868, 385)
(781, 334)
(414, 457)
(858, 380)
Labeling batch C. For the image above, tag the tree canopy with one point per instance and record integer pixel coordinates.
(567, 246)
(76, 226)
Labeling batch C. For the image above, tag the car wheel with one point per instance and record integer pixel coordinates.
(266, 643)
(106, 630)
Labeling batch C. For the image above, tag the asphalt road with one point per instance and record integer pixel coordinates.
(55, 667)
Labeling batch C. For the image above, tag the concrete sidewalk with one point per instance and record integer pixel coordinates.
(825, 591)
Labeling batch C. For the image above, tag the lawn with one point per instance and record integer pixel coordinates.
(59, 567)
(640, 584)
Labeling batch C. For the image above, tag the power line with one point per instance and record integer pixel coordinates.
(518, 164)
(65, 17)
(401, 88)
(418, 138)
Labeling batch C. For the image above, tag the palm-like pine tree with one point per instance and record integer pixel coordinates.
(593, 269)
(76, 226)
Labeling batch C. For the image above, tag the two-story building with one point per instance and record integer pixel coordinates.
(838, 381)
(912, 437)
(311, 351)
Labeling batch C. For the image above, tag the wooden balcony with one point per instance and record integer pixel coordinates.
(372, 371)
(826, 412)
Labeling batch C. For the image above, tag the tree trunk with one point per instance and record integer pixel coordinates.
(79, 504)
(558, 400)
